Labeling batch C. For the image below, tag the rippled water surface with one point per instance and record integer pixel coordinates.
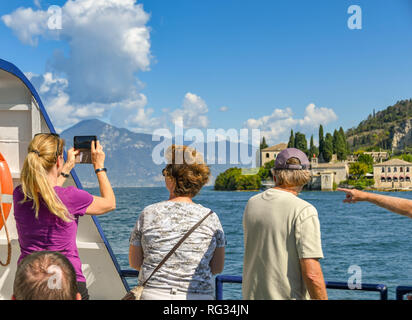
(359, 234)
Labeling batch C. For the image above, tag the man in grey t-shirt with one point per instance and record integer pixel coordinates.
(282, 237)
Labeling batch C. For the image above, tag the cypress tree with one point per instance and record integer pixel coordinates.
(328, 148)
(342, 133)
(341, 148)
(263, 145)
(313, 150)
(321, 141)
(291, 143)
(335, 141)
(355, 141)
(300, 142)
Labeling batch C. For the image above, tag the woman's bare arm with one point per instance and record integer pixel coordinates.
(218, 261)
(135, 257)
(107, 201)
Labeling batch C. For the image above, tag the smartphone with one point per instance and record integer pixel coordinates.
(84, 145)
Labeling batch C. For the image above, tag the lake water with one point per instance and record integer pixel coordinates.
(358, 234)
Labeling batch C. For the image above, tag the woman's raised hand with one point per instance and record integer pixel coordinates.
(71, 159)
(98, 155)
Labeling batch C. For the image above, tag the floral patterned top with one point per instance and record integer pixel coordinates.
(159, 227)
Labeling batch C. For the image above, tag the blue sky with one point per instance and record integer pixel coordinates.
(252, 57)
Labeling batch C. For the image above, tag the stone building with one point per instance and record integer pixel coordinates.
(325, 174)
(393, 174)
(270, 153)
(378, 156)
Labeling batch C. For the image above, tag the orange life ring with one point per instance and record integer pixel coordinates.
(6, 200)
(6, 189)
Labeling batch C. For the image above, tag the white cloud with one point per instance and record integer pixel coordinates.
(193, 112)
(62, 112)
(129, 113)
(27, 24)
(276, 126)
(223, 109)
(134, 115)
(109, 43)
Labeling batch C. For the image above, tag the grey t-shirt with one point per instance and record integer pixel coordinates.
(159, 227)
(279, 230)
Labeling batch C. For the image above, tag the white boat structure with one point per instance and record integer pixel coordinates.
(22, 115)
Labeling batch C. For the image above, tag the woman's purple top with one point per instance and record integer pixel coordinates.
(49, 232)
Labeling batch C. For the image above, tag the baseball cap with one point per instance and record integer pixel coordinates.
(285, 155)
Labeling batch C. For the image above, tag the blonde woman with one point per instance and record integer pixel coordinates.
(46, 214)
(188, 273)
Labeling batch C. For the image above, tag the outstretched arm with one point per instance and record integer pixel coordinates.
(397, 205)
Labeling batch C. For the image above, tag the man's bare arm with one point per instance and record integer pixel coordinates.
(313, 277)
(394, 204)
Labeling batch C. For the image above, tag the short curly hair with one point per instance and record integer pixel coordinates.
(187, 169)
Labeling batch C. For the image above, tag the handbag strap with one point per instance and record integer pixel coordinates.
(177, 245)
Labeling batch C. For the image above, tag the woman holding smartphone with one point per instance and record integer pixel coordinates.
(47, 214)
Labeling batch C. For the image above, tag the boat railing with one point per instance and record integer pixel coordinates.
(381, 288)
(129, 273)
(401, 291)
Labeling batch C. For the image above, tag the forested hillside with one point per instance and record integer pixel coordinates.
(387, 129)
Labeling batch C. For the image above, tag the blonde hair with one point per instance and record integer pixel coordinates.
(43, 153)
(292, 178)
(187, 168)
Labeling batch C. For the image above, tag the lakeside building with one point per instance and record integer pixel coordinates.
(270, 153)
(325, 174)
(393, 174)
(378, 156)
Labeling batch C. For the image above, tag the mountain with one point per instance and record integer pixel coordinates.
(389, 129)
(129, 155)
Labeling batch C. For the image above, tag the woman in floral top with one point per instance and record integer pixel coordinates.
(188, 273)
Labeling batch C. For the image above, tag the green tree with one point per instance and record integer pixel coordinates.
(300, 142)
(343, 135)
(291, 143)
(264, 173)
(366, 159)
(232, 179)
(335, 141)
(341, 146)
(358, 169)
(269, 165)
(248, 182)
(328, 147)
(321, 141)
(263, 144)
(227, 180)
(313, 150)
